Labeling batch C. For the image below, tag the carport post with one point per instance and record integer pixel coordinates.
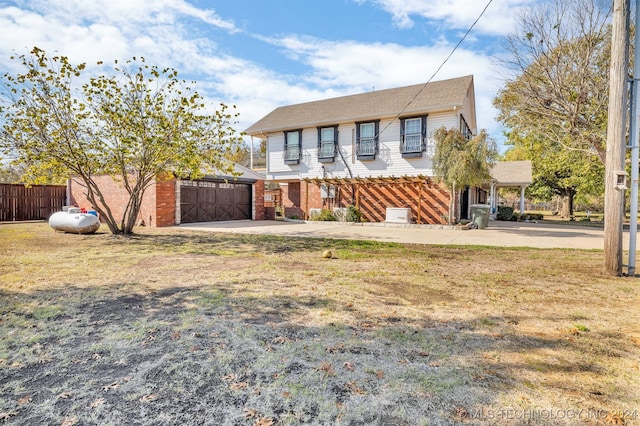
(522, 188)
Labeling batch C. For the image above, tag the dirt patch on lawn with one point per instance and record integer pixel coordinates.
(177, 326)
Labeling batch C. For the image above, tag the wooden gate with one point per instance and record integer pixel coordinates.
(17, 202)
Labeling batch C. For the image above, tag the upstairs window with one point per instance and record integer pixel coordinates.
(464, 129)
(327, 144)
(413, 135)
(367, 140)
(292, 147)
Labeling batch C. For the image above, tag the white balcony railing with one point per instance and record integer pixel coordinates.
(367, 146)
(292, 153)
(327, 149)
(412, 143)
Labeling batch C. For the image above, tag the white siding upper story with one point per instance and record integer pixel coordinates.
(388, 161)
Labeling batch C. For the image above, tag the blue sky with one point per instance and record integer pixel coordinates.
(260, 54)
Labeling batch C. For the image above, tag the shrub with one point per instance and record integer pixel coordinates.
(325, 216)
(505, 213)
(353, 214)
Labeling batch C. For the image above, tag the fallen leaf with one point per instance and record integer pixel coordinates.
(239, 385)
(148, 398)
(250, 413)
(265, 421)
(379, 374)
(65, 395)
(113, 385)
(403, 361)
(69, 421)
(97, 402)
(434, 364)
(335, 348)
(348, 366)
(7, 414)
(326, 368)
(354, 388)
(230, 377)
(281, 340)
(24, 400)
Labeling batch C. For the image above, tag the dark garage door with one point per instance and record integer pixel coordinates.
(203, 201)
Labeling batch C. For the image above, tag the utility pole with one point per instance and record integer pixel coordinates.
(634, 127)
(616, 132)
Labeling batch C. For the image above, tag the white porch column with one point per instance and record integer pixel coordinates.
(522, 199)
(492, 195)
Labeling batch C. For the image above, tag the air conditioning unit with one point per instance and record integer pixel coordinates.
(314, 213)
(398, 215)
(327, 191)
(340, 213)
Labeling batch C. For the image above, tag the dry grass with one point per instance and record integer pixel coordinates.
(174, 326)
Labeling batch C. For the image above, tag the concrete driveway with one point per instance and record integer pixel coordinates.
(498, 233)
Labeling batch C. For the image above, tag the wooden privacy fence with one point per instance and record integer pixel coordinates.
(18, 202)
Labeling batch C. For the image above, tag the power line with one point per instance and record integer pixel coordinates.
(424, 86)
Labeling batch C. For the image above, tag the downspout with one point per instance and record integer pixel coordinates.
(353, 187)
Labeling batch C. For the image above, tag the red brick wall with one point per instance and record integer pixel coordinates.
(291, 200)
(258, 200)
(165, 201)
(158, 204)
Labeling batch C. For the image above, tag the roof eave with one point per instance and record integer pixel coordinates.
(437, 109)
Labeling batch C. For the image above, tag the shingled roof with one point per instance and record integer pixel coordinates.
(420, 98)
(512, 173)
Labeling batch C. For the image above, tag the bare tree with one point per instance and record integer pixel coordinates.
(559, 64)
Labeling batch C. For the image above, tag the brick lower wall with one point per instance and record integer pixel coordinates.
(165, 201)
(259, 212)
(158, 206)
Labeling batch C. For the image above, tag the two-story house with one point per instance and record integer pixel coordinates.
(373, 150)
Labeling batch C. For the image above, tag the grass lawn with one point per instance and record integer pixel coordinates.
(191, 328)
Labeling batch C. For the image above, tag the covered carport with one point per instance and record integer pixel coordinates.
(509, 174)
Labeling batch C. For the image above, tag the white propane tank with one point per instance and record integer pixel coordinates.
(74, 221)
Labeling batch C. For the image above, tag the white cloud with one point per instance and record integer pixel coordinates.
(460, 14)
(88, 31)
(346, 67)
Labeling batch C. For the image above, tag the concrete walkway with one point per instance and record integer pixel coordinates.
(498, 233)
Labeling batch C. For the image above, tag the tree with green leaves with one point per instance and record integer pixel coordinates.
(557, 171)
(555, 104)
(138, 124)
(460, 162)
